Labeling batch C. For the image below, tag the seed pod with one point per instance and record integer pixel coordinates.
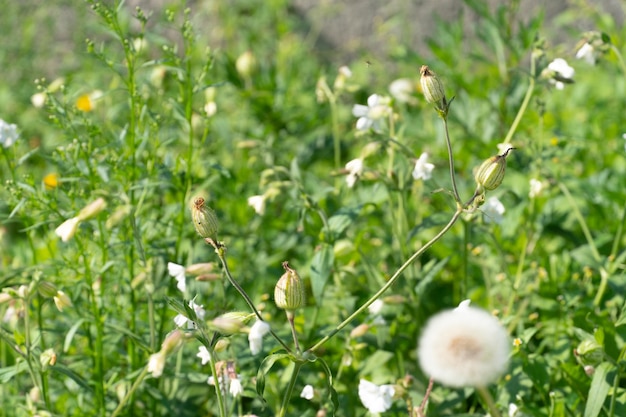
(432, 87)
(289, 291)
(491, 172)
(204, 219)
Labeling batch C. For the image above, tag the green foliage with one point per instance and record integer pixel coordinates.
(232, 100)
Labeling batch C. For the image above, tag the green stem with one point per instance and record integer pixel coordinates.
(522, 109)
(486, 396)
(335, 127)
(130, 392)
(221, 404)
(290, 387)
(391, 281)
(222, 255)
(581, 221)
(451, 161)
(620, 59)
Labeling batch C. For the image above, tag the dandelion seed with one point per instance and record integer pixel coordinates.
(377, 399)
(464, 347)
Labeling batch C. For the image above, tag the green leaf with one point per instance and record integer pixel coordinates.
(266, 365)
(70, 335)
(599, 389)
(321, 266)
(9, 372)
(339, 222)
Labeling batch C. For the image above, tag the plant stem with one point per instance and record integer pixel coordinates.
(451, 162)
(130, 392)
(290, 387)
(391, 281)
(486, 396)
(220, 250)
(522, 109)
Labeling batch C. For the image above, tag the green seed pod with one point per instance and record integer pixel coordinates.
(432, 87)
(289, 291)
(204, 219)
(491, 172)
(589, 352)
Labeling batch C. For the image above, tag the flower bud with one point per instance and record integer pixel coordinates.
(432, 87)
(92, 209)
(47, 358)
(491, 172)
(289, 291)
(47, 289)
(61, 300)
(172, 341)
(204, 219)
(246, 64)
(230, 323)
(589, 352)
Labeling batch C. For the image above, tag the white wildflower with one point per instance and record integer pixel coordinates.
(235, 388)
(587, 52)
(355, 169)
(536, 187)
(8, 133)
(178, 272)
(204, 355)
(423, 169)
(255, 337)
(307, 392)
(257, 202)
(561, 73)
(156, 363)
(372, 115)
(465, 347)
(376, 307)
(377, 399)
(494, 211)
(402, 90)
(67, 229)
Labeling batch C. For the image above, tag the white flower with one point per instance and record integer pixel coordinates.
(38, 100)
(536, 187)
(561, 71)
(372, 115)
(257, 202)
(587, 52)
(465, 347)
(463, 304)
(61, 300)
(180, 319)
(504, 148)
(204, 355)
(156, 363)
(235, 388)
(376, 307)
(67, 229)
(8, 134)
(423, 169)
(255, 337)
(494, 211)
(355, 168)
(178, 272)
(377, 399)
(513, 410)
(307, 392)
(402, 90)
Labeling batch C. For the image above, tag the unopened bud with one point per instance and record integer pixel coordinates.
(47, 289)
(221, 345)
(172, 342)
(47, 358)
(230, 323)
(92, 209)
(432, 87)
(199, 269)
(359, 330)
(246, 64)
(289, 291)
(590, 352)
(61, 300)
(204, 219)
(491, 172)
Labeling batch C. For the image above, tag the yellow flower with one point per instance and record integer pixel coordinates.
(51, 181)
(87, 102)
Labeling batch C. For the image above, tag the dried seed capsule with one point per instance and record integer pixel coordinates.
(289, 291)
(204, 219)
(491, 172)
(432, 87)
